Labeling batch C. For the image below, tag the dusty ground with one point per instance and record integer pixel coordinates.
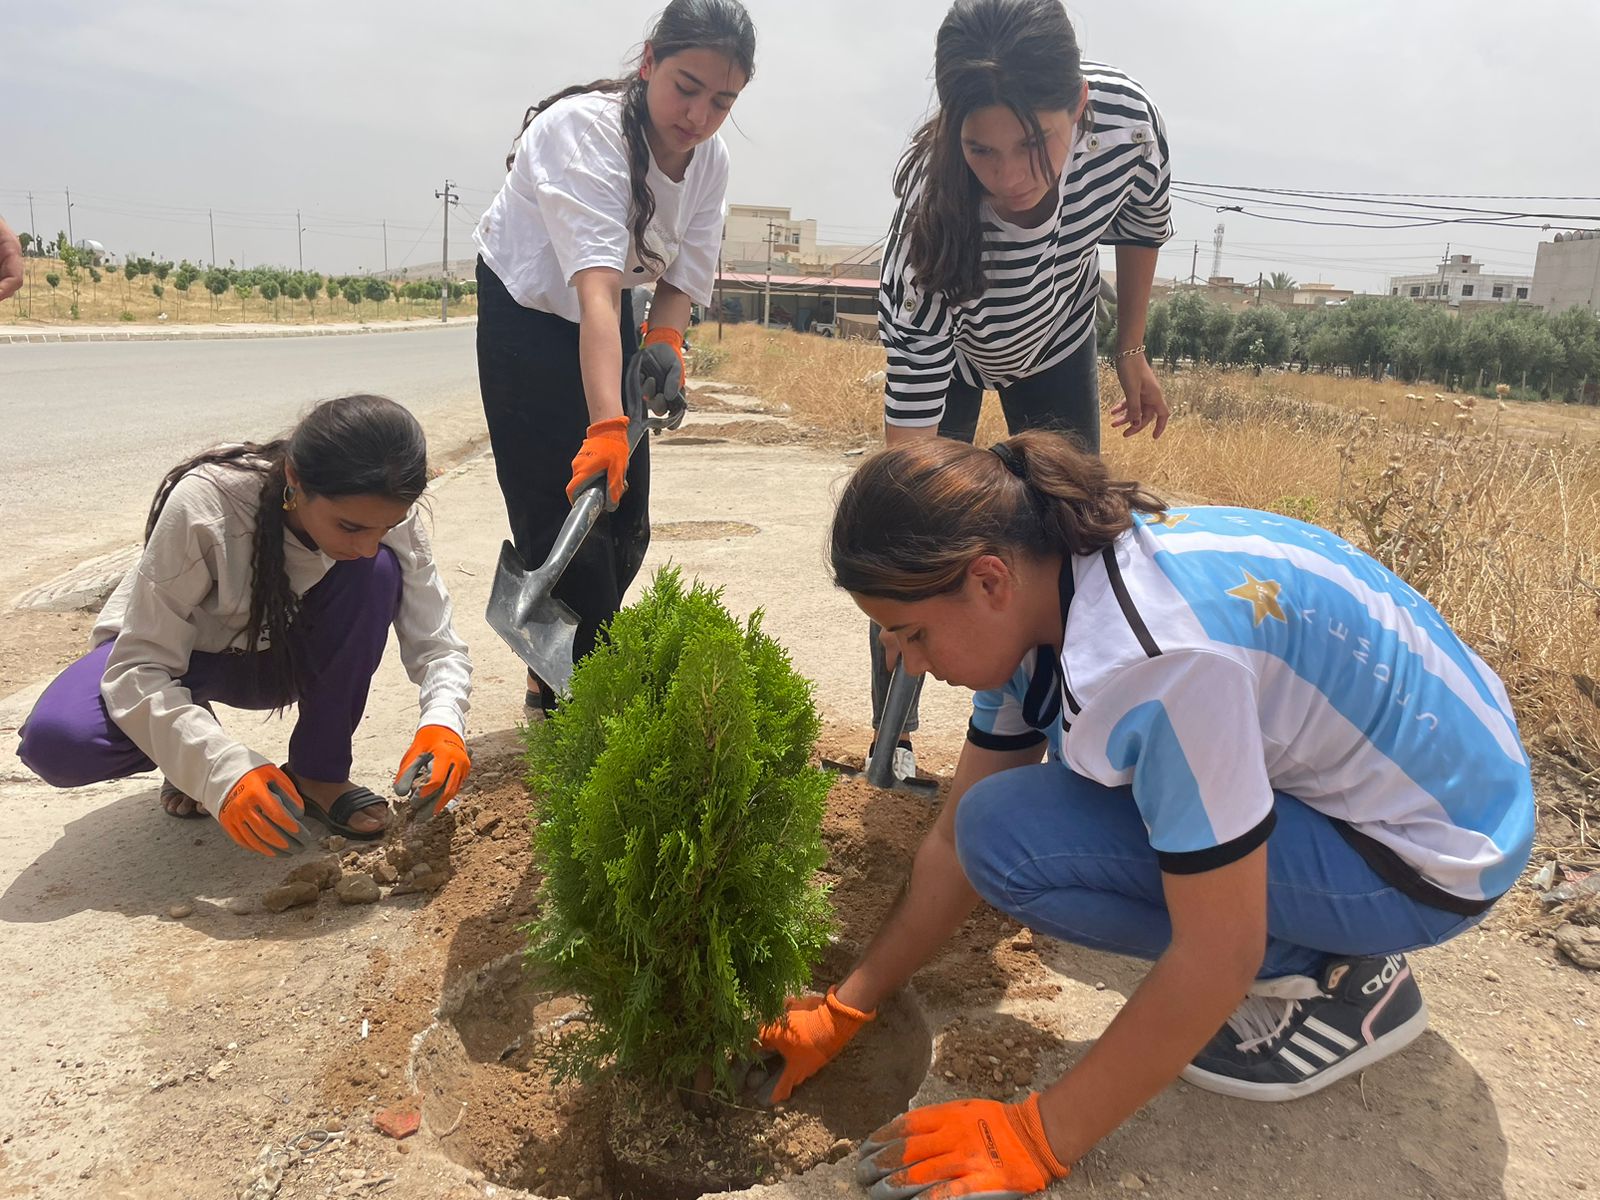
(151, 1057)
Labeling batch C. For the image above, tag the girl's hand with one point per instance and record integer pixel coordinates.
(1142, 398)
(434, 769)
(981, 1149)
(604, 450)
(256, 811)
(809, 1035)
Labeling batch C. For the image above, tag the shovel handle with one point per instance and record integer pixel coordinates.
(903, 688)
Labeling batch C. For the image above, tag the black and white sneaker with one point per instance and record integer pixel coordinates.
(1295, 1035)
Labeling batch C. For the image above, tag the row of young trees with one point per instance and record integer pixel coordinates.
(1554, 356)
(272, 284)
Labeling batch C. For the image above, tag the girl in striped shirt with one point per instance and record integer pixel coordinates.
(991, 273)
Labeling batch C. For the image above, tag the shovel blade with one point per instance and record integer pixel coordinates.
(541, 629)
(926, 788)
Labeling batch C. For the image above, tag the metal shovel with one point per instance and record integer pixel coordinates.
(522, 608)
(879, 771)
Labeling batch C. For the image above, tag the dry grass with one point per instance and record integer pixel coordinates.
(105, 302)
(1492, 511)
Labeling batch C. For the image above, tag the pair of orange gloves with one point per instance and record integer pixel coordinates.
(976, 1149)
(605, 444)
(256, 811)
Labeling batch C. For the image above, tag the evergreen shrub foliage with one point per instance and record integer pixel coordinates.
(678, 828)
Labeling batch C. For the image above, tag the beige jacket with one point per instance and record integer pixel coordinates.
(191, 592)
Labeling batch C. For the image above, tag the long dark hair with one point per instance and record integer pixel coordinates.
(1021, 54)
(720, 25)
(352, 446)
(912, 519)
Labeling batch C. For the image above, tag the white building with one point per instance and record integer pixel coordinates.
(1459, 280)
(749, 227)
(1566, 273)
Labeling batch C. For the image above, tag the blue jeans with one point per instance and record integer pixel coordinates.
(1071, 858)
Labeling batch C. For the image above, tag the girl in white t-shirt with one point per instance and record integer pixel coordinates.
(610, 185)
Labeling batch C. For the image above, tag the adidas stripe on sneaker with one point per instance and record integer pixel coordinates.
(1296, 1035)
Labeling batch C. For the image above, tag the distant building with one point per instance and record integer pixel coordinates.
(1566, 273)
(1459, 281)
(749, 227)
(1315, 295)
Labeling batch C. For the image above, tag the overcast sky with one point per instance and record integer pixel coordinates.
(355, 112)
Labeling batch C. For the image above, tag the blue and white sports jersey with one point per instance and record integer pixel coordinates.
(1214, 656)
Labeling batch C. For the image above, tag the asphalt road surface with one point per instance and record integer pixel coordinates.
(89, 428)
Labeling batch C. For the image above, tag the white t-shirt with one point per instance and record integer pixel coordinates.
(191, 592)
(565, 202)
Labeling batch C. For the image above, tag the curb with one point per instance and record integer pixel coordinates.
(213, 334)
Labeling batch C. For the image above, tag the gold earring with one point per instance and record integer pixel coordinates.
(289, 502)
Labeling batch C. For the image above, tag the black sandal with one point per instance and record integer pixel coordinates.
(337, 817)
(541, 700)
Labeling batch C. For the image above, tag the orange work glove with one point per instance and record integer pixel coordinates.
(605, 448)
(433, 770)
(255, 812)
(668, 337)
(979, 1149)
(808, 1037)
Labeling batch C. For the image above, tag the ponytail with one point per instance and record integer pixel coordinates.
(913, 519)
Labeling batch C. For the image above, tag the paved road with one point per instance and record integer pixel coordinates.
(88, 430)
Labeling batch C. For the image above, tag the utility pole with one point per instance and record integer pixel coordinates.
(1194, 263)
(449, 199)
(299, 239)
(386, 244)
(1260, 278)
(211, 221)
(71, 240)
(766, 295)
(32, 224)
(719, 282)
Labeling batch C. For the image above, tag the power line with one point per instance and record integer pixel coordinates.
(1498, 214)
(1428, 223)
(1239, 187)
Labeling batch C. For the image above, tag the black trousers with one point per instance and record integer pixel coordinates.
(1065, 397)
(534, 404)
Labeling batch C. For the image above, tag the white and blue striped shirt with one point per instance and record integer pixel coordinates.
(1214, 656)
(1042, 283)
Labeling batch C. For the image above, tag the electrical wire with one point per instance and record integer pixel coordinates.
(1239, 187)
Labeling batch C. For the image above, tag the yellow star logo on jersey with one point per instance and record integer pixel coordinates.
(1263, 596)
(1169, 520)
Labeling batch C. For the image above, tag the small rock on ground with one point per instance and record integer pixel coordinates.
(398, 1122)
(290, 895)
(358, 889)
(179, 911)
(324, 872)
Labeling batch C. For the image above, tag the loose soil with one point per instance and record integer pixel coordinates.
(487, 1098)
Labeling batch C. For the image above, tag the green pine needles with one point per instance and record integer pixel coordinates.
(679, 827)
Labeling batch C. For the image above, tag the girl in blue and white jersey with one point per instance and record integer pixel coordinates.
(1272, 769)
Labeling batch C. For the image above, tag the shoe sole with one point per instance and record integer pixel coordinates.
(1396, 1039)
